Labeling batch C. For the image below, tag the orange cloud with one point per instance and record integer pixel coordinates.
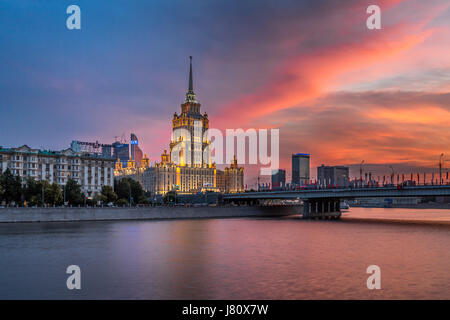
(306, 76)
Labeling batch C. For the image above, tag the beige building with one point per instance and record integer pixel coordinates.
(91, 171)
(234, 178)
(166, 176)
(134, 169)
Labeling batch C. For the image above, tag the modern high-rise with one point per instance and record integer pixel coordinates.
(333, 175)
(121, 151)
(136, 152)
(279, 178)
(300, 168)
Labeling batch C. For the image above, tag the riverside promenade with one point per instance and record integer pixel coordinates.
(9, 215)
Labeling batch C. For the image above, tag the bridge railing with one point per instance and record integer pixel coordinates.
(371, 186)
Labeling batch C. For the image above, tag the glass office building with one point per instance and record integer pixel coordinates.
(300, 168)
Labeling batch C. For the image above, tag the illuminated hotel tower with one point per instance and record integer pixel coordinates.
(188, 146)
(187, 168)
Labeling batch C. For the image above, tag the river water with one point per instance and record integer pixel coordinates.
(245, 258)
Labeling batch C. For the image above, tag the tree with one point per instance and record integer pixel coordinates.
(126, 187)
(54, 194)
(122, 202)
(170, 197)
(33, 192)
(108, 194)
(11, 186)
(137, 192)
(122, 188)
(98, 198)
(73, 192)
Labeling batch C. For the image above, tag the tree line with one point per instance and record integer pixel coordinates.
(41, 193)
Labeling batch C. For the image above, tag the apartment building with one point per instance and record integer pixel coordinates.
(91, 171)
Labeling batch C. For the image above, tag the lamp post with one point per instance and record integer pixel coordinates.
(361, 171)
(392, 174)
(68, 177)
(42, 187)
(440, 168)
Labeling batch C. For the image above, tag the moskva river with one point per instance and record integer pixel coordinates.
(283, 258)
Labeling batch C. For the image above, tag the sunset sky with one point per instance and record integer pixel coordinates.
(335, 89)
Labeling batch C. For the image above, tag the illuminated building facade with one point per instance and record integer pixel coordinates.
(234, 178)
(166, 176)
(91, 171)
(132, 170)
(191, 171)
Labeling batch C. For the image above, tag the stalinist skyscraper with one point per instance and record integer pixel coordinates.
(187, 168)
(188, 146)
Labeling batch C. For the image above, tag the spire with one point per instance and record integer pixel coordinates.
(191, 85)
(190, 95)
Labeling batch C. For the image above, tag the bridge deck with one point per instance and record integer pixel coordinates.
(344, 193)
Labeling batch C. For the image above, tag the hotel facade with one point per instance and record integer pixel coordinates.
(91, 171)
(187, 167)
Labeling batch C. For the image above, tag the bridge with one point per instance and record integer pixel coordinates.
(325, 203)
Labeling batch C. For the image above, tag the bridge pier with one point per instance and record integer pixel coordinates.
(321, 209)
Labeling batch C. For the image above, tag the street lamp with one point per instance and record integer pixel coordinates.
(65, 183)
(361, 171)
(440, 168)
(42, 186)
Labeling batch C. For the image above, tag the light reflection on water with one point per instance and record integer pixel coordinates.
(285, 258)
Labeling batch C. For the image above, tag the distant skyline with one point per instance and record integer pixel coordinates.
(335, 89)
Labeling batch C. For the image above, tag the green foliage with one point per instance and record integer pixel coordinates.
(73, 193)
(122, 202)
(108, 195)
(33, 192)
(170, 197)
(11, 186)
(126, 187)
(36, 190)
(53, 194)
(98, 199)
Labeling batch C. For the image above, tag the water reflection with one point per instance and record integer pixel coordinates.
(231, 258)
